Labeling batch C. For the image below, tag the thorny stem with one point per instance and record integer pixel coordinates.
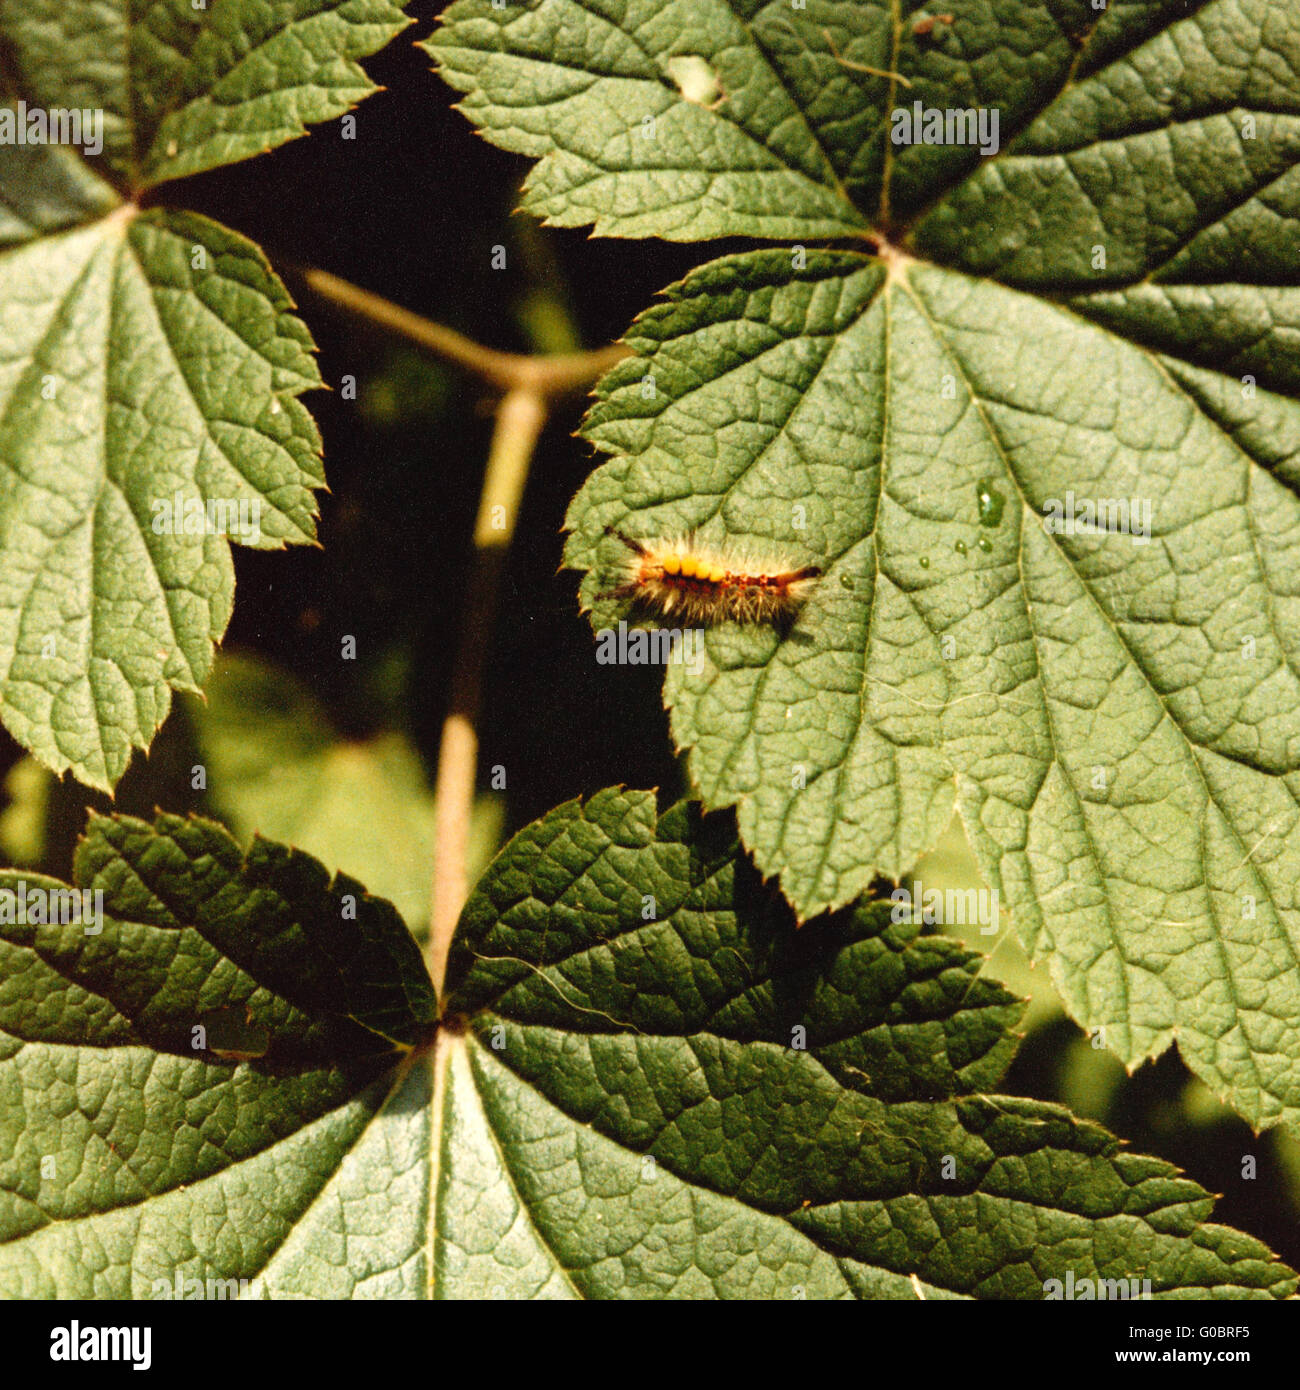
(532, 386)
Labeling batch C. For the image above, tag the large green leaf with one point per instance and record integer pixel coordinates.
(135, 1146)
(647, 1084)
(147, 357)
(1105, 310)
(1123, 764)
(706, 118)
(141, 358)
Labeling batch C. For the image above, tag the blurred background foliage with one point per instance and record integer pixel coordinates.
(337, 755)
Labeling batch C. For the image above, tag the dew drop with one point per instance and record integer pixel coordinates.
(985, 544)
(846, 581)
(991, 502)
(925, 562)
(960, 547)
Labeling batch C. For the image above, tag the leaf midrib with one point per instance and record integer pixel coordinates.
(1146, 1219)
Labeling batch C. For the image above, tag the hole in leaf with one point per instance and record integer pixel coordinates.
(695, 79)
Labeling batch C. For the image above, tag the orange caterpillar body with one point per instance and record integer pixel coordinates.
(690, 583)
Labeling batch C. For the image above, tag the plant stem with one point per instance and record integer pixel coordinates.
(532, 386)
(520, 419)
(551, 376)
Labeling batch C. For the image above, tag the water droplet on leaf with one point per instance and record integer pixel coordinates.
(991, 502)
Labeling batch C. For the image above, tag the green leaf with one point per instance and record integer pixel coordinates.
(1103, 310)
(182, 1085)
(1123, 758)
(146, 358)
(185, 88)
(950, 868)
(648, 1084)
(728, 1107)
(46, 189)
(142, 359)
(683, 121)
(708, 119)
(277, 767)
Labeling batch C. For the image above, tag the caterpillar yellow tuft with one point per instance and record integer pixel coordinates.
(699, 585)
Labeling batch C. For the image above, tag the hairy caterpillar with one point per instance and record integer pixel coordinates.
(700, 585)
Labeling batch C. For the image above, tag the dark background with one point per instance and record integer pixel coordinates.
(411, 209)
